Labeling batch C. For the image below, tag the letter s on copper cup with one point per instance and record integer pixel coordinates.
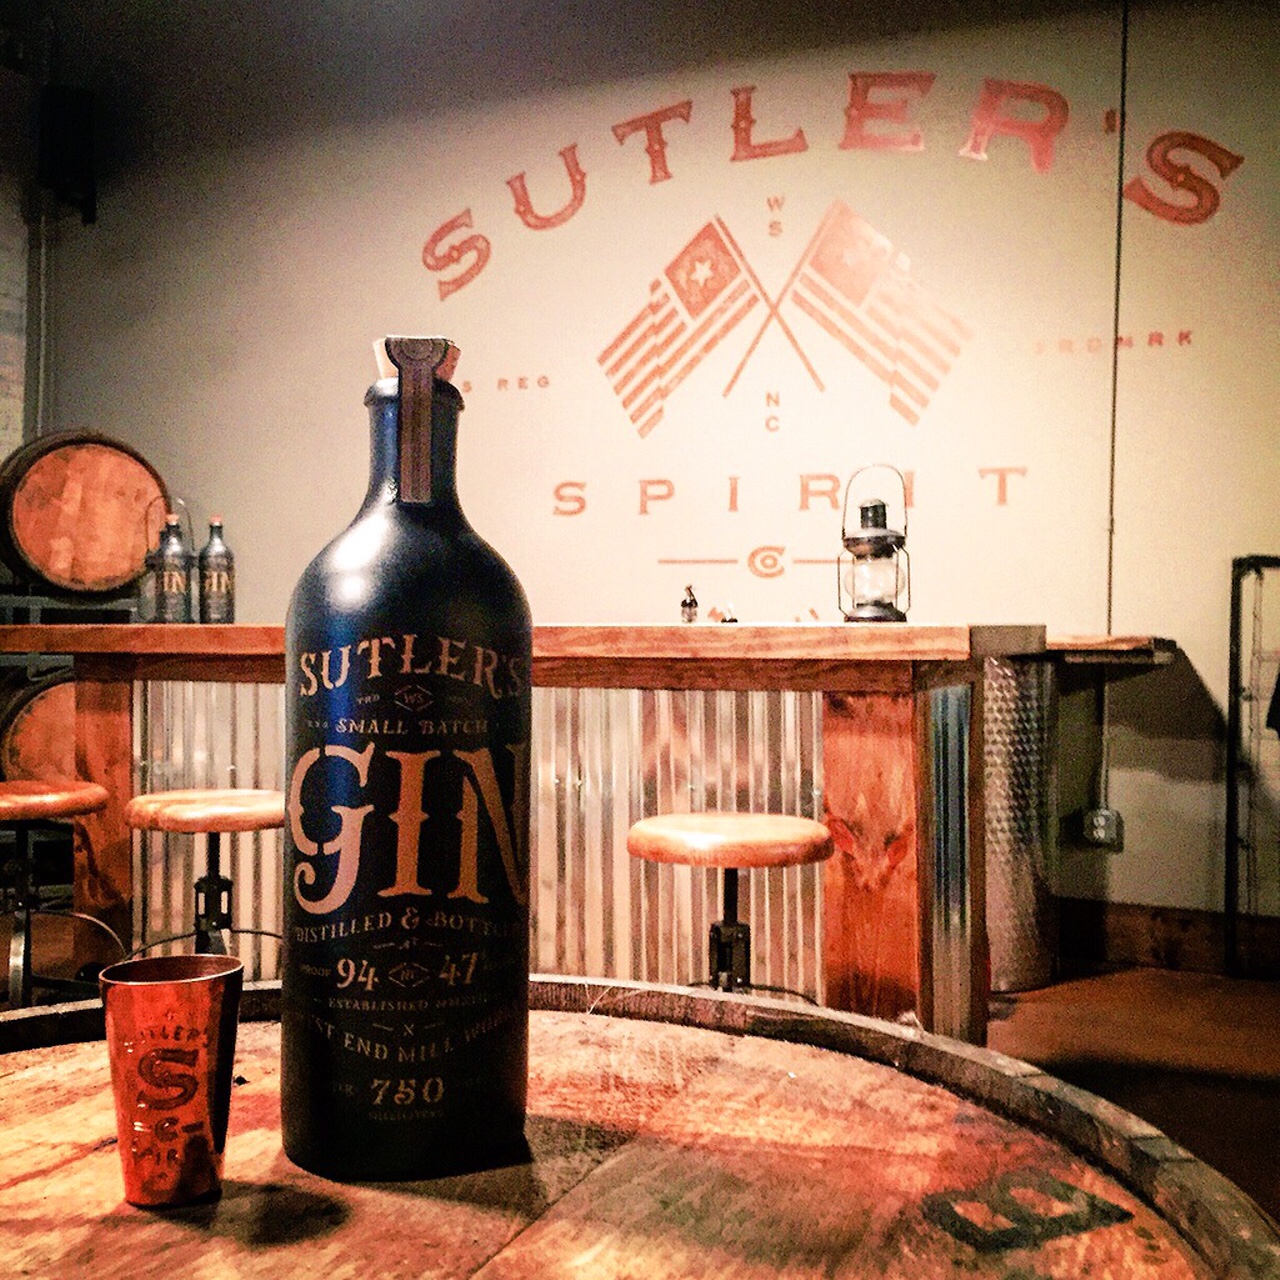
(171, 1040)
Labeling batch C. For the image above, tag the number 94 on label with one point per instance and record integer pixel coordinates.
(452, 969)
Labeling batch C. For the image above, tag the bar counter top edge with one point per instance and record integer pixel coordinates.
(781, 642)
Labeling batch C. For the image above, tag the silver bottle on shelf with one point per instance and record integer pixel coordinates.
(217, 568)
(172, 573)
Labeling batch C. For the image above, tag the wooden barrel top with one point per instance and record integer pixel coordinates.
(79, 512)
(755, 1145)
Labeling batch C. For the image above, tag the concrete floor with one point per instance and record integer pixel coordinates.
(1196, 1055)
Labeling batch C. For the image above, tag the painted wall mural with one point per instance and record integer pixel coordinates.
(942, 301)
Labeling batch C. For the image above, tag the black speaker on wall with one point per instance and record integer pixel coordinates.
(65, 157)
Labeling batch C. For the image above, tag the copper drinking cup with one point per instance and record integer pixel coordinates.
(171, 1036)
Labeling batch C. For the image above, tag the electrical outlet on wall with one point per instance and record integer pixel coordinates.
(1103, 828)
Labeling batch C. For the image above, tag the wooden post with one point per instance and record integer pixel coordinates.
(871, 927)
(104, 753)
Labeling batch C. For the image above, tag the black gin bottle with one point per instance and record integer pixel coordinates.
(217, 569)
(406, 951)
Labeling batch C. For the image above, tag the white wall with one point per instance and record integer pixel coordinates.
(271, 186)
(14, 96)
(1198, 449)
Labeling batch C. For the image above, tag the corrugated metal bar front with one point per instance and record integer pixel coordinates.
(952, 921)
(189, 734)
(607, 757)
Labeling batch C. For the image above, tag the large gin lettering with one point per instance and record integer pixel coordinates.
(480, 792)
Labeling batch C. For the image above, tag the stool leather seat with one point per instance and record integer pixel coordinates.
(742, 840)
(203, 810)
(209, 811)
(35, 799)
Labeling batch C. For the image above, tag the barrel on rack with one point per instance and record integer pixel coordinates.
(78, 512)
(38, 741)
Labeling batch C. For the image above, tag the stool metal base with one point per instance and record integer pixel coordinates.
(213, 912)
(23, 979)
(730, 955)
(212, 909)
(214, 944)
(29, 903)
(730, 948)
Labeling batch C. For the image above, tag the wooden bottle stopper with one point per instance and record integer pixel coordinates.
(420, 362)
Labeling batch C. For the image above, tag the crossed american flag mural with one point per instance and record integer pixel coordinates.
(850, 282)
(704, 294)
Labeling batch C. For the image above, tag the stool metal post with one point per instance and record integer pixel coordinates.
(213, 901)
(20, 938)
(730, 941)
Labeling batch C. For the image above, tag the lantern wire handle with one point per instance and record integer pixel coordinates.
(146, 517)
(848, 489)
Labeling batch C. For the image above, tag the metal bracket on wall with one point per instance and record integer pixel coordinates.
(1243, 763)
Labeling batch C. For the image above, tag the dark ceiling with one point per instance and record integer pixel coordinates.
(212, 73)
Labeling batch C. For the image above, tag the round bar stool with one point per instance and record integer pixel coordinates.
(210, 812)
(28, 805)
(733, 842)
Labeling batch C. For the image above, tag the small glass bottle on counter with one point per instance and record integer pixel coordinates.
(217, 577)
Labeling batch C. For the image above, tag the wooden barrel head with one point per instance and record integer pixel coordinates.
(79, 513)
(658, 1150)
(38, 730)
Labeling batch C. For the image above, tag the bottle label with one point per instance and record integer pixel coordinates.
(173, 591)
(217, 594)
(406, 884)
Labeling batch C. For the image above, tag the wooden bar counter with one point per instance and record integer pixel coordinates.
(672, 1136)
(902, 767)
